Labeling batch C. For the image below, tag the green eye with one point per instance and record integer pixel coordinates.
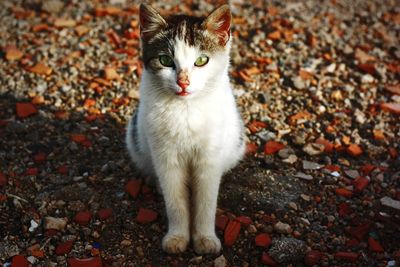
(201, 61)
(166, 61)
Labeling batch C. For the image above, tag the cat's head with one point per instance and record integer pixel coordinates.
(185, 55)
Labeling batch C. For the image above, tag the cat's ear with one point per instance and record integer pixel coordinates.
(150, 21)
(218, 23)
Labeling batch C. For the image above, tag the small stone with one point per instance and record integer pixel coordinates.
(309, 165)
(220, 261)
(287, 250)
(305, 197)
(292, 205)
(33, 226)
(126, 243)
(64, 23)
(353, 174)
(52, 6)
(314, 149)
(55, 223)
(285, 153)
(111, 74)
(367, 78)
(390, 203)
(303, 176)
(291, 159)
(251, 229)
(298, 83)
(283, 228)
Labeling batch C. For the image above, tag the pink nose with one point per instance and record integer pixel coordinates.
(183, 83)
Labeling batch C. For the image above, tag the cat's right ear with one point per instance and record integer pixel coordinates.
(150, 21)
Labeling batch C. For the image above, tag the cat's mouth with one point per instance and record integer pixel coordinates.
(182, 93)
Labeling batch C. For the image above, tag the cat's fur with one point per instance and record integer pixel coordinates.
(186, 141)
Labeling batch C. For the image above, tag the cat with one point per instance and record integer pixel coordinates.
(187, 131)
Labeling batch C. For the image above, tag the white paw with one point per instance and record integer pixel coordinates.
(174, 243)
(206, 244)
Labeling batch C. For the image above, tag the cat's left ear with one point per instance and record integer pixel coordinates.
(218, 23)
(150, 21)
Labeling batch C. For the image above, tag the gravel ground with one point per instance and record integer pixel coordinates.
(318, 87)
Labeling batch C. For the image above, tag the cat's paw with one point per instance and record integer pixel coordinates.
(206, 244)
(174, 243)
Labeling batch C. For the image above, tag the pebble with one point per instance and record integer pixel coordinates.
(298, 83)
(390, 203)
(303, 176)
(309, 165)
(55, 223)
(220, 261)
(314, 149)
(283, 228)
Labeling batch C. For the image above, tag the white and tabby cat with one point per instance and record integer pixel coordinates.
(187, 131)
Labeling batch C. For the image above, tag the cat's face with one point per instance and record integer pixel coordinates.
(185, 55)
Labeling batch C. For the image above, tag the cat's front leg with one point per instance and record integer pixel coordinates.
(172, 180)
(205, 196)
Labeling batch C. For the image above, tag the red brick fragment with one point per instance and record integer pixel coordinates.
(360, 231)
(393, 152)
(104, 214)
(3, 179)
(244, 220)
(268, 260)
(64, 248)
(347, 256)
(19, 261)
(83, 217)
(25, 110)
(367, 68)
(133, 187)
(39, 157)
(375, 246)
(344, 209)
(221, 221)
(329, 147)
(63, 169)
(251, 148)
(146, 216)
(391, 107)
(263, 240)
(360, 183)
(367, 169)
(343, 192)
(88, 262)
(231, 233)
(312, 258)
(354, 150)
(256, 126)
(352, 243)
(32, 171)
(271, 147)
